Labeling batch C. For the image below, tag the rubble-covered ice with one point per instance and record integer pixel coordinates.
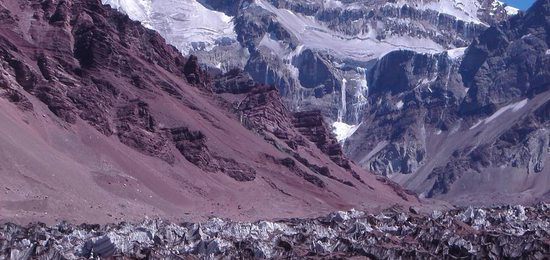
(492, 233)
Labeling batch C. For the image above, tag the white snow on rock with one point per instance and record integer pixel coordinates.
(138, 10)
(332, 4)
(456, 53)
(511, 10)
(315, 35)
(465, 10)
(186, 24)
(515, 107)
(400, 104)
(343, 131)
(275, 46)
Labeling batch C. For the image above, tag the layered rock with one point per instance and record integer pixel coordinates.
(192, 145)
(313, 126)
(136, 127)
(263, 110)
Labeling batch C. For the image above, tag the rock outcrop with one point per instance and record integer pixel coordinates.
(263, 110)
(312, 125)
(136, 127)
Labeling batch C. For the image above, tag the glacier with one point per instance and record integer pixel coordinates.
(186, 24)
(315, 35)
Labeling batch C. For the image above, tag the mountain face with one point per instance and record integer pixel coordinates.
(103, 121)
(108, 111)
(447, 98)
(316, 52)
(470, 128)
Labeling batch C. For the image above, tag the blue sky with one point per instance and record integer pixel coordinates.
(521, 4)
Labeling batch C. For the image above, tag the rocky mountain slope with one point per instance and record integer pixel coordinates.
(316, 52)
(468, 127)
(103, 121)
(447, 98)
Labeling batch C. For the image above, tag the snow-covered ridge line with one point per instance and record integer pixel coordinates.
(465, 10)
(315, 35)
(510, 10)
(138, 10)
(186, 24)
(515, 107)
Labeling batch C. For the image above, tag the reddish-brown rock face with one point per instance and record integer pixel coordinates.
(137, 128)
(195, 75)
(262, 110)
(313, 126)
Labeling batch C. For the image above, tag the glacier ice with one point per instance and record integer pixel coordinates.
(186, 24)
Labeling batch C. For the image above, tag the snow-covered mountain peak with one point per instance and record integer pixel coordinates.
(465, 10)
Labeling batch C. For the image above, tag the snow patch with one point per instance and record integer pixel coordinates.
(512, 107)
(427, 82)
(275, 46)
(476, 124)
(456, 53)
(400, 104)
(343, 131)
(547, 52)
(332, 4)
(511, 10)
(465, 10)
